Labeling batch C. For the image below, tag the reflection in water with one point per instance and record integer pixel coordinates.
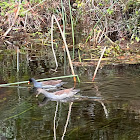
(89, 118)
(44, 101)
(107, 109)
(54, 129)
(67, 120)
(68, 117)
(104, 107)
(56, 124)
(98, 93)
(18, 91)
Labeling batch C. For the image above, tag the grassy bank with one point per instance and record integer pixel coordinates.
(87, 25)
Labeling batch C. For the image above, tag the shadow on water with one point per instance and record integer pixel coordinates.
(105, 109)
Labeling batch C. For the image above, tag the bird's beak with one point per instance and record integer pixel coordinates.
(37, 95)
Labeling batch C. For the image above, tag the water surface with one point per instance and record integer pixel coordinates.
(108, 109)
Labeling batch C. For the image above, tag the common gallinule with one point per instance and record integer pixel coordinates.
(58, 95)
(46, 84)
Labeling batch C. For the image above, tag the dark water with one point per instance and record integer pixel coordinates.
(111, 111)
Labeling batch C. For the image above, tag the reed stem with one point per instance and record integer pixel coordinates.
(17, 59)
(72, 29)
(23, 82)
(52, 44)
(66, 46)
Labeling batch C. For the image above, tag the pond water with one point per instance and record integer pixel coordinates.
(108, 109)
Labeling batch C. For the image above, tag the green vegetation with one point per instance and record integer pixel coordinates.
(88, 25)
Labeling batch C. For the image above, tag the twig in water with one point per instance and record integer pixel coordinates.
(98, 63)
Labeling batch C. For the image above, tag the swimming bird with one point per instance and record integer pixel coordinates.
(58, 95)
(46, 84)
